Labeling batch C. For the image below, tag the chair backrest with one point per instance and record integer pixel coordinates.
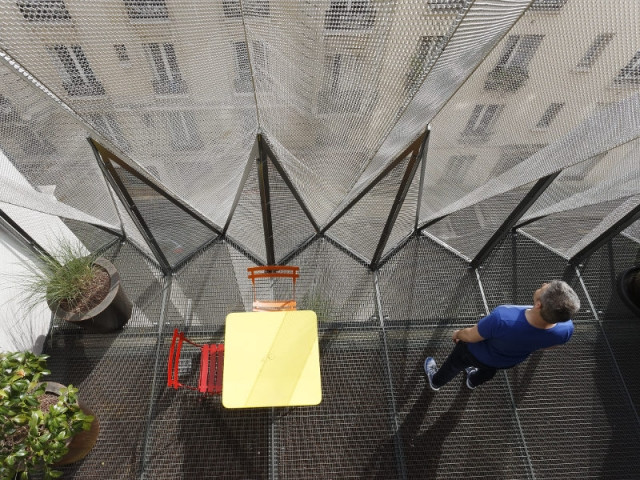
(274, 271)
(211, 365)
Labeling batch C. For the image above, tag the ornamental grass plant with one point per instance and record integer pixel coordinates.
(63, 279)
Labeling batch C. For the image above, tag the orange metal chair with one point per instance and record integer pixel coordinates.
(211, 365)
(274, 271)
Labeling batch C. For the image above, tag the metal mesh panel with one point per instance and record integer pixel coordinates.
(633, 231)
(482, 25)
(91, 237)
(347, 435)
(46, 230)
(601, 178)
(425, 284)
(589, 429)
(334, 285)
(246, 223)
(469, 229)
(130, 229)
(407, 216)
(361, 226)
(518, 267)
(52, 166)
(158, 82)
(569, 115)
(290, 224)
(176, 232)
(206, 290)
(564, 230)
(330, 66)
(435, 427)
(600, 273)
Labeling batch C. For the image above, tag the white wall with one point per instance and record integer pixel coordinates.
(19, 329)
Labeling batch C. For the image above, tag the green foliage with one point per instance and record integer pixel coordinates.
(32, 440)
(61, 278)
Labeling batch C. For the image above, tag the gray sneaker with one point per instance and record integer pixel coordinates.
(430, 368)
(470, 371)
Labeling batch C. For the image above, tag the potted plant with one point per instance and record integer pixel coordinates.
(629, 289)
(82, 289)
(41, 421)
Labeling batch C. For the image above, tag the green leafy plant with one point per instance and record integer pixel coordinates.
(33, 438)
(62, 279)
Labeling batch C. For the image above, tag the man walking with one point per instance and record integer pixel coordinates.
(508, 335)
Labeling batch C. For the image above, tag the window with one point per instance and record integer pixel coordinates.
(511, 155)
(78, 78)
(428, 47)
(30, 142)
(252, 8)
(481, 121)
(184, 131)
(447, 5)
(44, 11)
(580, 171)
(549, 114)
(458, 166)
(595, 50)
(107, 125)
(244, 80)
(121, 52)
(350, 15)
(167, 79)
(340, 93)
(511, 71)
(146, 9)
(547, 5)
(630, 74)
(8, 113)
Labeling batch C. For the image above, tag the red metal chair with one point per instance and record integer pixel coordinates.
(211, 365)
(274, 271)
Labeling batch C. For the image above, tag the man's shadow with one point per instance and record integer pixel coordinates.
(423, 450)
(420, 451)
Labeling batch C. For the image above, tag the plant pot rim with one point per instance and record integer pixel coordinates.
(622, 289)
(84, 441)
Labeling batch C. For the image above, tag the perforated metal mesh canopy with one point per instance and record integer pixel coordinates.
(422, 161)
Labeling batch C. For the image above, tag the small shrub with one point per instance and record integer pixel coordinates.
(33, 439)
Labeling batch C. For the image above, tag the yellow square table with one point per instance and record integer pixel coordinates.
(271, 359)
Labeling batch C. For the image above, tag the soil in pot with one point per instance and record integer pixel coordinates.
(102, 313)
(93, 293)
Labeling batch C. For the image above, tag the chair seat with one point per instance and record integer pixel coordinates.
(211, 365)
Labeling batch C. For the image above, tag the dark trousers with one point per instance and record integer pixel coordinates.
(459, 359)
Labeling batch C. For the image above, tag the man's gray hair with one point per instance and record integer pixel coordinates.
(559, 302)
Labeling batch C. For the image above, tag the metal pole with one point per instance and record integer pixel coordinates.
(405, 184)
(265, 202)
(374, 182)
(113, 178)
(288, 183)
(630, 217)
(517, 213)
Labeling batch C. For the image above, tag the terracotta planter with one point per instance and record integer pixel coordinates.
(629, 289)
(82, 443)
(109, 315)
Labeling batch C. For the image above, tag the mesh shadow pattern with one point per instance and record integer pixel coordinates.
(425, 284)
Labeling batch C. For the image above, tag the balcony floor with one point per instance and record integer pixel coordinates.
(569, 412)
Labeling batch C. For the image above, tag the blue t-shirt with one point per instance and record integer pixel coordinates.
(509, 338)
